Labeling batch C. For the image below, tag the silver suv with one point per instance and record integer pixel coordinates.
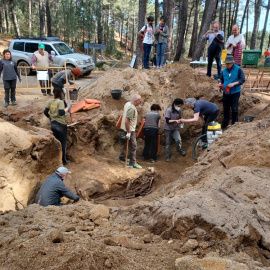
(23, 49)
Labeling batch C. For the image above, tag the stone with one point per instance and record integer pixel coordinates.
(147, 238)
(208, 263)
(102, 222)
(108, 263)
(56, 236)
(106, 67)
(69, 229)
(190, 245)
(33, 234)
(99, 211)
(110, 242)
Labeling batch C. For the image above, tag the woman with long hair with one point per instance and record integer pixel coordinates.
(161, 32)
(171, 127)
(10, 74)
(56, 111)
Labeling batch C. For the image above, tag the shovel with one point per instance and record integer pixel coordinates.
(127, 153)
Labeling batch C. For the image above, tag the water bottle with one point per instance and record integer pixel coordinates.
(201, 59)
(182, 125)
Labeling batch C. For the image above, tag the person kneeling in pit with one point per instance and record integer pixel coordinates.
(53, 189)
(201, 108)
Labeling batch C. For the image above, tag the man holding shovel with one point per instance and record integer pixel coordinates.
(129, 122)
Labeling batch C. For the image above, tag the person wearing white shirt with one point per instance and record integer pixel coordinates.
(147, 33)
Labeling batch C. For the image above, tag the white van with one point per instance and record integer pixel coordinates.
(22, 50)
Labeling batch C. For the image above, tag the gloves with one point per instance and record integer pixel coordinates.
(128, 136)
(69, 106)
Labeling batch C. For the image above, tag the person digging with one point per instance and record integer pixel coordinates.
(129, 122)
(53, 189)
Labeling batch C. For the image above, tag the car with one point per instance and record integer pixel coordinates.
(22, 50)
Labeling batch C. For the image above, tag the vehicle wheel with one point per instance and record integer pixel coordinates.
(198, 146)
(87, 73)
(70, 66)
(24, 70)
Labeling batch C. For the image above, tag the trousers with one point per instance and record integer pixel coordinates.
(176, 136)
(132, 147)
(151, 141)
(10, 87)
(146, 54)
(160, 53)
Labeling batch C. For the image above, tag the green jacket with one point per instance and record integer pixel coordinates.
(162, 37)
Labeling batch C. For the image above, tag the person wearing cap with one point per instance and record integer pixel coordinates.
(232, 78)
(56, 111)
(204, 110)
(53, 189)
(59, 79)
(42, 59)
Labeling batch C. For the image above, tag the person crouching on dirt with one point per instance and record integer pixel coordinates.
(129, 122)
(56, 111)
(201, 108)
(171, 128)
(10, 74)
(59, 79)
(53, 189)
(150, 130)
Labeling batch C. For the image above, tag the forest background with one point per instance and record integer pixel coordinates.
(116, 22)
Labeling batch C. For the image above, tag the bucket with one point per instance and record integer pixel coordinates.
(116, 94)
(248, 118)
(73, 94)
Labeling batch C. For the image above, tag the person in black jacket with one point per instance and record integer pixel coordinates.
(53, 189)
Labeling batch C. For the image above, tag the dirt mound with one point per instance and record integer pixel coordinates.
(22, 158)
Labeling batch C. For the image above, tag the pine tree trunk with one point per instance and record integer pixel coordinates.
(6, 18)
(243, 18)
(30, 18)
(41, 18)
(14, 18)
(209, 9)
(221, 11)
(169, 8)
(247, 27)
(265, 25)
(141, 23)
(257, 13)
(188, 22)
(99, 25)
(49, 19)
(236, 12)
(133, 36)
(182, 21)
(225, 17)
(230, 18)
(195, 29)
(1, 22)
(156, 12)
(127, 31)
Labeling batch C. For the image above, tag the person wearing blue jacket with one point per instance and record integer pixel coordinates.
(53, 189)
(232, 78)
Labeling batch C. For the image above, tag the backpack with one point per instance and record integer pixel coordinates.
(144, 32)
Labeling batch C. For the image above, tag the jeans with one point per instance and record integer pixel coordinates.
(146, 54)
(10, 86)
(132, 147)
(208, 118)
(211, 56)
(60, 133)
(177, 138)
(230, 101)
(160, 53)
(151, 141)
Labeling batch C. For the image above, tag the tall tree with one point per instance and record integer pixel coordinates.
(14, 18)
(41, 18)
(194, 35)
(209, 10)
(257, 14)
(182, 21)
(99, 25)
(141, 22)
(49, 19)
(265, 24)
(169, 14)
(244, 14)
(30, 18)
(221, 11)
(237, 2)
(156, 12)
(247, 27)
(225, 17)
(229, 19)
(6, 17)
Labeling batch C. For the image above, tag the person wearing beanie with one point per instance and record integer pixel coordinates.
(53, 189)
(171, 127)
(41, 60)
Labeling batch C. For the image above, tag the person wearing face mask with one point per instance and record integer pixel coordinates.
(147, 35)
(161, 33)
(171, 127)
(201, 108)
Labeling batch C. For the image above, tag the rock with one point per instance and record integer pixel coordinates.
(86, 228)
(69, 229)
(33, 234)
(108, 263)
(147, 238)
(208, 263)
(190, 245)
(102, 222)
(106, 67)
(110, 242)
(56, 236)
(99, 211)
(84, 216)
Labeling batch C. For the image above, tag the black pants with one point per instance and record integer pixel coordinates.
(208, 118)
(10, 86)
(45, 84)
(151, 141)
(230, 101)
(211, 55)
(60, 133)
